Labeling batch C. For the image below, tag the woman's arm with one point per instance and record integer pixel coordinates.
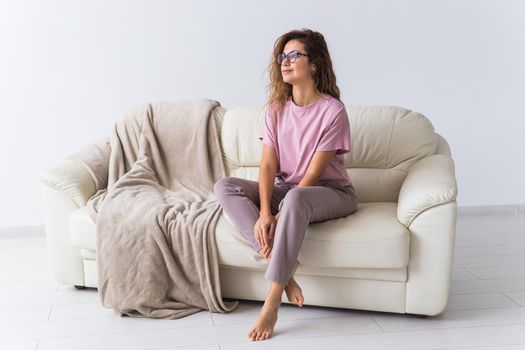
(316, 168)
(265, 224)
(267, 172)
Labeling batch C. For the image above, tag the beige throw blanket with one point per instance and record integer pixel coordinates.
(156, 213)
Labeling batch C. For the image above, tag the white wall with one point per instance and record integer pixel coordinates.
(69, 69)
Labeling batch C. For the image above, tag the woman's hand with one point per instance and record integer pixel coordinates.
(272, 233)
(264, 232)
(262, 229)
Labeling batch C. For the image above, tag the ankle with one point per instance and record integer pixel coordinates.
(273, 301)
(274, 295)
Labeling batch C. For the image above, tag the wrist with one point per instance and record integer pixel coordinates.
(265, 212)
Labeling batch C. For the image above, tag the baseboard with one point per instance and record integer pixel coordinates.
(22, 231)
(478, 210)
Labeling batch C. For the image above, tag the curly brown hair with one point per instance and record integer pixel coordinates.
(317, 50)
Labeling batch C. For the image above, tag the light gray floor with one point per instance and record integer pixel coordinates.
(486, 308)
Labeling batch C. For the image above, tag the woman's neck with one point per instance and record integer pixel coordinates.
(304, 98)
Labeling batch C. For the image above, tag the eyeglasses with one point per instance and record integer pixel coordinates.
(291, 56)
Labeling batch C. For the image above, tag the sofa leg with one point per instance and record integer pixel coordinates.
(80, 287)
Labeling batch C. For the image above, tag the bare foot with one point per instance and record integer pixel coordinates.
(263, 328)
(294, 293)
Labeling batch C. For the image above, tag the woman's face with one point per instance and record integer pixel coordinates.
(300, 71)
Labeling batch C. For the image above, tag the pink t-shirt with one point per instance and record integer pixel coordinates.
(301, 131)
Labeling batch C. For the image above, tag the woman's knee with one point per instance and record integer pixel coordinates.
(221, 184)
(295, 197)
(228, 184)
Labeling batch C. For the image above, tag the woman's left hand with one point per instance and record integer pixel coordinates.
(271, 236)
(272, 231)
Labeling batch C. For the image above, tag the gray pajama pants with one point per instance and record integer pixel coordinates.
(298, 207)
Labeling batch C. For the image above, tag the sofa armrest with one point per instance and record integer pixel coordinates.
(95, 158)
(81, 174)
(64, 189)
(430, 182)
(72, 179)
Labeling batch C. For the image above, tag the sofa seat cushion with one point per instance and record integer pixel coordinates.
(370, 238)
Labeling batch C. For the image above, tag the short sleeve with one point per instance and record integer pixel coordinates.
(337, 135)
(266, 133)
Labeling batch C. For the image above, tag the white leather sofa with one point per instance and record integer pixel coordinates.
(394, 254)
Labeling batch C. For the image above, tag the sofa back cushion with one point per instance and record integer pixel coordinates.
(386, 142)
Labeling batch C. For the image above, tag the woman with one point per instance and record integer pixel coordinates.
(302, 178)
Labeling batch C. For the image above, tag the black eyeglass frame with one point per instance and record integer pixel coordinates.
(282, 56)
